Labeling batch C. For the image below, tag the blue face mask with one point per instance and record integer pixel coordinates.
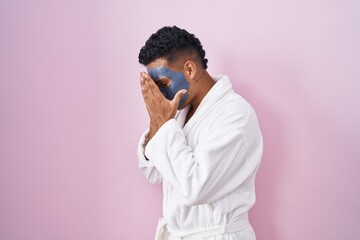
(178, 82)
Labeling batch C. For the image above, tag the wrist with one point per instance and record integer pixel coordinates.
(153, 129)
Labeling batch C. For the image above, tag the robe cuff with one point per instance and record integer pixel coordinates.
(158, 140)
(143, 162)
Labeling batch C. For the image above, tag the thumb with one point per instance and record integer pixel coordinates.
(178, 96)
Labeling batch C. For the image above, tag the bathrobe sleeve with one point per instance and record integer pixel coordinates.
(147, 167)
(217, 165)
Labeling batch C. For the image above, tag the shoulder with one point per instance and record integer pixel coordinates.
(232, 108)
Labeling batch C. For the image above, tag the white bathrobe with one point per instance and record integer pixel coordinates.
(207, 167)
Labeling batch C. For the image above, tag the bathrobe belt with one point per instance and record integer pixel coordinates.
(163, 230)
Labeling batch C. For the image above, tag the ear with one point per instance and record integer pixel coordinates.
(190, 69)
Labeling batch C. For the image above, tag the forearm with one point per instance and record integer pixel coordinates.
(145, 166)
(208, 172)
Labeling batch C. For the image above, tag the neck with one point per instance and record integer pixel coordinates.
(206, 83)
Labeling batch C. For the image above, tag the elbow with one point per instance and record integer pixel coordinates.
(153, 179)
(152, 176)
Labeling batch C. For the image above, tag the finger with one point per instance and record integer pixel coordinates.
(147, 101)
(142, 79)
(148, 98)
(144, 85)
(142, 76)
(152, 85)
(178, 96)
(147, 92)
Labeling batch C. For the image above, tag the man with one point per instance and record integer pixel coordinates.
(207, 153)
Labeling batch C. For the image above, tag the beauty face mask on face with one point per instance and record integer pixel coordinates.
(178, 82)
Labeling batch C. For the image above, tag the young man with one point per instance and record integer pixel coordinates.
(203, 143)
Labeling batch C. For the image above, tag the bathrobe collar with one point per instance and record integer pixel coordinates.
(220, 88)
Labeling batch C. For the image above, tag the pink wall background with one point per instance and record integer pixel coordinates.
(71, 112)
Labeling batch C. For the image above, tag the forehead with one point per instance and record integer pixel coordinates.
(159, 69)
(161, 72)
(160, 62)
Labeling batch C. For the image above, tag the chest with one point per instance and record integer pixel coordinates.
(197, 131)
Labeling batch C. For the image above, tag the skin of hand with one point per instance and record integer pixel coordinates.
(159, 108)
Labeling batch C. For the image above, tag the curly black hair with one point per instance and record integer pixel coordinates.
(169, 43)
